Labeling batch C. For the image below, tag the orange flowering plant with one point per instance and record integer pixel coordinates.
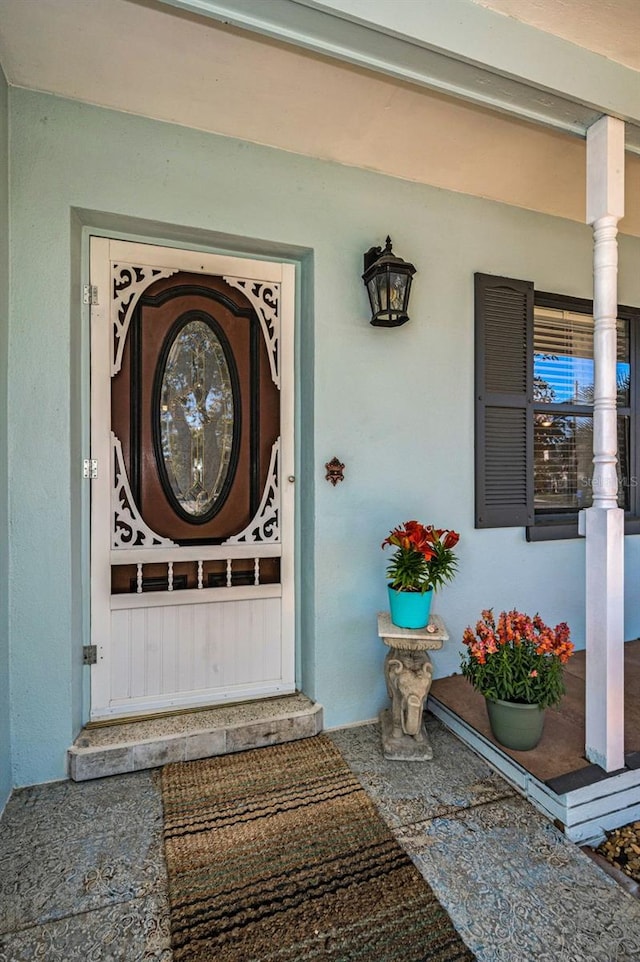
(519, 659)
(424, 558)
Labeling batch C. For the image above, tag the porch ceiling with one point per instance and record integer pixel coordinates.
(399, 106)
(607, 27)
(460, 47)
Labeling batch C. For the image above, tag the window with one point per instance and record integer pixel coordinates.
(534, 408)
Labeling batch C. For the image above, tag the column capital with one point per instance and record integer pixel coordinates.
(605, 169)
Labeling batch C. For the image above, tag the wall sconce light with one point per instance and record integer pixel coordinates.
(388, 282)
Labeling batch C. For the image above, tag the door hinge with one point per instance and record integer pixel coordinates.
(90, 655)
(90, 294)
(90, 468)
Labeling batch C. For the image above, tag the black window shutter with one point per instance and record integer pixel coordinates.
(504, 398)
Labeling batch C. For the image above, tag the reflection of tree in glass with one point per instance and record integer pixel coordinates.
(550, 432)
(584, 432)
(586, 393)
(543, 392)
(564, 446)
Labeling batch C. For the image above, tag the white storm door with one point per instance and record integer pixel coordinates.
(192, 511)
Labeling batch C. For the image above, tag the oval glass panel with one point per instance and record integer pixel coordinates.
(196, 418)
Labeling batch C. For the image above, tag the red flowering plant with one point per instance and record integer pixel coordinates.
(519, 659)
(424, 558)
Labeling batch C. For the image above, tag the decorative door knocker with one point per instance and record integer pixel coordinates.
(334, 471)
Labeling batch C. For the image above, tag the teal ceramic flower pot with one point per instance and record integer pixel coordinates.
(515, 726)
(409, 609)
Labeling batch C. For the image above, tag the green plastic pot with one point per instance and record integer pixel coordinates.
(515, 726)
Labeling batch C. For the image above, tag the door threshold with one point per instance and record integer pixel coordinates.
(175, 712)
(132, 746)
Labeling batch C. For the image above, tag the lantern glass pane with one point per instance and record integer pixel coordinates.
(383, 291)
(374, 297)
(397, 291)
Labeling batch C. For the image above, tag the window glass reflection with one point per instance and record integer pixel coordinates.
(563, 456)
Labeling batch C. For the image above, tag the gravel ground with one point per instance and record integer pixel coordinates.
(622, 849)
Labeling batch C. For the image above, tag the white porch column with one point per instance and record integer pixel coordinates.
(603, 523)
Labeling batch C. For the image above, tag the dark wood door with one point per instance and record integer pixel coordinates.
(195, 409)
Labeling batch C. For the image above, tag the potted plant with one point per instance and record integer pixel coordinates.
(518, 665)
(422, 562)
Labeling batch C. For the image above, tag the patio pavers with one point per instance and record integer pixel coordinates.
(408, 792)
(124, 932)
(82, 873)
(516, 889)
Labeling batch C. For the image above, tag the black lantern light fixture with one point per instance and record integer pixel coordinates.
(388, 282)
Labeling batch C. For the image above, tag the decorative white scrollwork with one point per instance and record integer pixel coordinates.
(129, 282)
(265, 526)
(129, 529)
(265, 300)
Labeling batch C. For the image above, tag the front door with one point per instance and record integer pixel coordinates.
(192, 507)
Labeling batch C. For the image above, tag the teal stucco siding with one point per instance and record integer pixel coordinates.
(396, 406)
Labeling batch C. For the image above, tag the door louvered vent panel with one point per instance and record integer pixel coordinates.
(505, 339)
(505, 457)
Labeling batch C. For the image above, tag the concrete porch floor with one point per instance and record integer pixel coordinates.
(82, 872)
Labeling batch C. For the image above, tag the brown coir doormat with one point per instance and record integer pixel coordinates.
(278, 855)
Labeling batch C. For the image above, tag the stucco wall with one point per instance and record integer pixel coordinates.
(395, 405)
(5, 753)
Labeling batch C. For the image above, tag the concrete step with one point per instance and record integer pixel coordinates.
(131, 746)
